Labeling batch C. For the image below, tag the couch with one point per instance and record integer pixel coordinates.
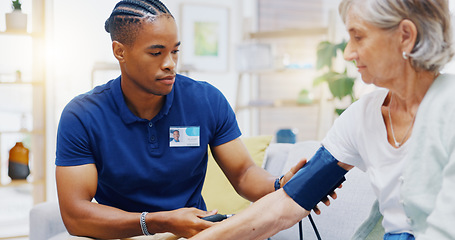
(338, 221)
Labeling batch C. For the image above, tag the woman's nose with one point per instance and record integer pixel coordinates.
(349, 54)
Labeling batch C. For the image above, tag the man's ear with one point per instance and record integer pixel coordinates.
(118, 50)
(408, 31)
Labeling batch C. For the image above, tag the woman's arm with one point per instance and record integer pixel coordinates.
(278, 210)
(264, 218)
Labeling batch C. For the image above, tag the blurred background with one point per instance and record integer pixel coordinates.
(265, 56)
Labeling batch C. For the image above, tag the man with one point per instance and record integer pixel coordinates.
(176, 136)
(113, 142)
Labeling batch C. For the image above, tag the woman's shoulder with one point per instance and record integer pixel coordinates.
(441, 93)
(443, 84)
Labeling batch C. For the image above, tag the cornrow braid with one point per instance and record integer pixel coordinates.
(125, 20)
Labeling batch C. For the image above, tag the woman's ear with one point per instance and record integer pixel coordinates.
(118, 50)
(408, 32)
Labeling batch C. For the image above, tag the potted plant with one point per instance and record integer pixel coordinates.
(340, 84)
(16, 20)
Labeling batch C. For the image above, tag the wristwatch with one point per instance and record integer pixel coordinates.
(277, 182)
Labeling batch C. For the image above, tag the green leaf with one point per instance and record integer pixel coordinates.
(326, 77)
(341, 86)
(341, 46)
(339, 111)
(325, 53)
(17, 5)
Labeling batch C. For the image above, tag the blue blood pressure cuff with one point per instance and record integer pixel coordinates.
(317, 179)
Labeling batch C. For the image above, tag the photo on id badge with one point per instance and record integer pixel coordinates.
(184, 136)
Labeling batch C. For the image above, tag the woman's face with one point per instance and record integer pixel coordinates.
(376, 52)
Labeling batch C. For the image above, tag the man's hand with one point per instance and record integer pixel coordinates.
(293, 171)
(184, 222)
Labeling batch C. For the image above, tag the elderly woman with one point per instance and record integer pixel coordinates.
(402, 135)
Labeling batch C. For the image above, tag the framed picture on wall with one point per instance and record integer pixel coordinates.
(205, 37)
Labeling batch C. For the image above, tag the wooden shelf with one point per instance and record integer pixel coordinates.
(288, 33)
(280, 103)
(278, 71)
(21, 33)
(22, 83)
(33, 132)
(14, 237)
(15, 183)
(33, 78)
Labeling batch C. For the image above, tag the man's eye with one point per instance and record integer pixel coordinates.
(175, 51)
(155, 53)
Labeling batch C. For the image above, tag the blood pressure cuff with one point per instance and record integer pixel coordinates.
(317, 179)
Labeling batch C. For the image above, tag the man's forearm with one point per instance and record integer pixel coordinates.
(100, 221)
(264, 218)
(256, 184)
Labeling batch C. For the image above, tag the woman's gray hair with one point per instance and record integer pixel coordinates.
(433, 47)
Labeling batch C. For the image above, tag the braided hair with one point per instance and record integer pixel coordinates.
(127, 17)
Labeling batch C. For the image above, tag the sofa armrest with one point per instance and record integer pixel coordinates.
(45, 221)
(276, 156)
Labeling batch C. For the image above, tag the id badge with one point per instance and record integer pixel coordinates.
(180, 136)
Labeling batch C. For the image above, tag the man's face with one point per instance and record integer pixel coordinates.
(176, 135)
(150, 62)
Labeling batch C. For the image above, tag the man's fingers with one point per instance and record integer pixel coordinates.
(298, 166)
(207, 213)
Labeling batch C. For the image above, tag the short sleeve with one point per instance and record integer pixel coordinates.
(227, 128)
(340, 141)
(72, 138)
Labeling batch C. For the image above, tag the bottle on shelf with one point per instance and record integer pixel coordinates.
(18, 162)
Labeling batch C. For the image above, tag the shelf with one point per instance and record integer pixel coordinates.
(278, 70)
(290, 33)
(33, 132)
(276, 104)
(20, 33)
(15, 183)
(22, 83)
(13, 237)
(27, 97)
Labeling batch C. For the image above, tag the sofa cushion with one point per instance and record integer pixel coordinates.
(218, 192)
(276, 156)
(45, 221)
(299, 151)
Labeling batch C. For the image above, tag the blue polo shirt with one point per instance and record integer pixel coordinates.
(139, 168)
